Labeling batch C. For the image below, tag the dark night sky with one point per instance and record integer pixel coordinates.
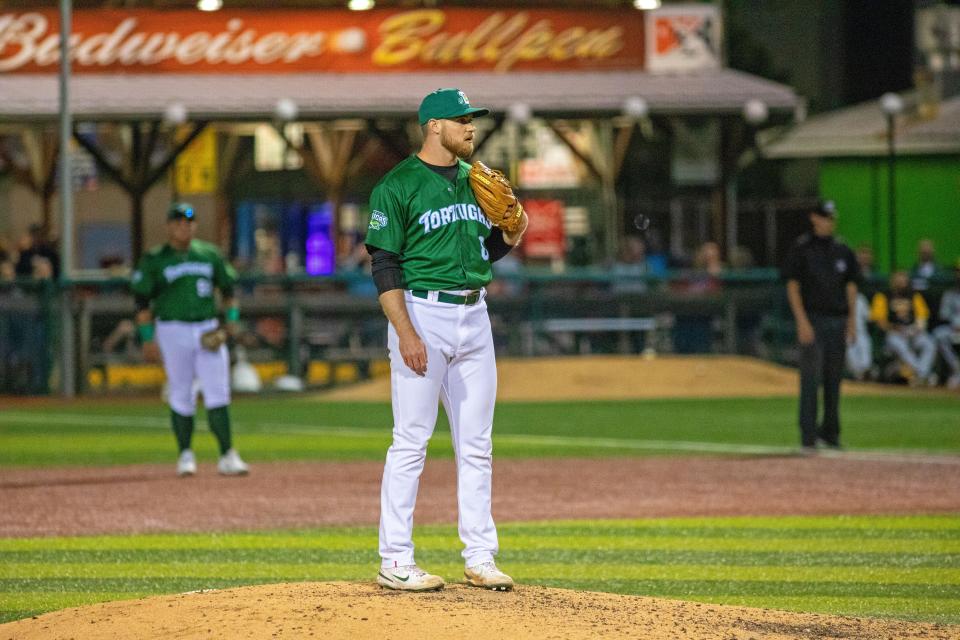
(878, 35)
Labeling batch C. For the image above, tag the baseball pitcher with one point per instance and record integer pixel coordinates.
(432, 244)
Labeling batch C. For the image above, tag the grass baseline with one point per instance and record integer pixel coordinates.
(909, 568)
(304, 428)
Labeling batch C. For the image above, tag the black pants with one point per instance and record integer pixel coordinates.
(821, 363)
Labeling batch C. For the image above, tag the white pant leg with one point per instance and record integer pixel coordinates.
(469, 395)
(944, 338)
(415, 404)
(860, 355)
(926, 350)
(901, 348)
(212, 369)
(178, 347)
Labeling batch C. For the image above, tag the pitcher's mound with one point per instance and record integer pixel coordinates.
(351, 610)
(626, 378)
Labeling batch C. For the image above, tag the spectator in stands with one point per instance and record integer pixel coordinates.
(902, 314)
(707, 269)
(32, 245)
(860, 351)
(631, 267)
(693, 330)
(865, 259)
(948, 334)
(926, 267)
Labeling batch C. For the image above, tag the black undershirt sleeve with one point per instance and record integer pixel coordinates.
(497, 247)
(386, 269)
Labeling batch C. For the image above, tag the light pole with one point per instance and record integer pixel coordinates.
(755, 113)
(892, 105)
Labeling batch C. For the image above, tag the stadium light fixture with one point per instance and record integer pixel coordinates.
(755, 111)
(892, 105)
(636, 107)
(520, 112)
(646, 5)
(285, 110)
(175, 113)
(209, 5)
(360, 5)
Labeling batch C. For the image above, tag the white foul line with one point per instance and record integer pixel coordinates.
(887, 455)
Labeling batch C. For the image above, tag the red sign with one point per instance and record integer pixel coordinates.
(544, 237)
(147, 41)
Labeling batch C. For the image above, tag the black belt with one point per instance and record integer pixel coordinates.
(450, 298)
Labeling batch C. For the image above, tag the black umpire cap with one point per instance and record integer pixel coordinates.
(825, 208)
(180, 210)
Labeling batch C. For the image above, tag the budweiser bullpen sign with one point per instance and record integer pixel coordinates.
(324, 40)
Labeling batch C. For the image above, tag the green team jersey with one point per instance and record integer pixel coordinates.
(433, 224)
(181, 283)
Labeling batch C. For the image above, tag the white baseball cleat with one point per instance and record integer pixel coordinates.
(487, 576)
(186, 463)
(231, 464)
(409, 578)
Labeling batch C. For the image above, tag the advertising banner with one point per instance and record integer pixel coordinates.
(246, 41)
(195, 170)
(684, 37)
(544, 237)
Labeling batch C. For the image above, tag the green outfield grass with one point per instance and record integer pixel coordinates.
(304, 428)
(902, 567)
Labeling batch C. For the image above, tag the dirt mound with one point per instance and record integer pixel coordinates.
(350, 610)
(626, 378)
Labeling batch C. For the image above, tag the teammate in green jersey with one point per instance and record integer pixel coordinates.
(432, 247)
(174, 286)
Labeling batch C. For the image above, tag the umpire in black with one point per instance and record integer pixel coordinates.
(822, 276)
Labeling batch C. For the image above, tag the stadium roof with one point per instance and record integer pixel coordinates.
(861, 130)
(250, 97)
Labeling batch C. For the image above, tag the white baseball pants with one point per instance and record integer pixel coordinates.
(461, 372)
(185, 359)
(917, 350)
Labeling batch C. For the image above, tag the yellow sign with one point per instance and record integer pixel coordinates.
(195, 170)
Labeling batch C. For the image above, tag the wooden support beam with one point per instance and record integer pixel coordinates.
(564, 135)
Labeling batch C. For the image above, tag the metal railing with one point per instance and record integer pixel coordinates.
(299, 320)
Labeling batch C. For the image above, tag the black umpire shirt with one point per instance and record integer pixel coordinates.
(823, 266)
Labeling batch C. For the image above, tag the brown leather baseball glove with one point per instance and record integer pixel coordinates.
(214, 339)
(495, 197)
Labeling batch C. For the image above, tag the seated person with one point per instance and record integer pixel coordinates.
(860, 351)
(948, 334)
(902, 314)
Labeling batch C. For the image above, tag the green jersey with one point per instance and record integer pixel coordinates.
(433, 224)
(181, 283)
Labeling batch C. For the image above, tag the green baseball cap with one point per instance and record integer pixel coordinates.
(447, 103)
(179, 210)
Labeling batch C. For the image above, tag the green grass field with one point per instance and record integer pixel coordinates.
(903, 567)
(298, 428)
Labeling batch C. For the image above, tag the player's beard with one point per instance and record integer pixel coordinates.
(461, 148)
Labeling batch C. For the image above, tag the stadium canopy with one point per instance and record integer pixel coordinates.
(138, 97)
(861, 130)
